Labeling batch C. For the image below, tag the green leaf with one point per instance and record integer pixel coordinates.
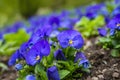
(83, 22)
(21, 78)
(115, 53)
(63, 73)
(50, 57)
(117, 46)
(78, 75)
(39, 70)
(64, 63)
(69, 53)
(3, 66)
(19, 37)
(86, 70)
(98, 21)
(104, 40)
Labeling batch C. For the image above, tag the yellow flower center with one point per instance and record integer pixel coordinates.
(38, 57)
(70, 42)
(118, 24)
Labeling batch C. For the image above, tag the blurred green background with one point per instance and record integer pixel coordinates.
(13, 10)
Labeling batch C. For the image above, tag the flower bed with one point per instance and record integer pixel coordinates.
(71, 44)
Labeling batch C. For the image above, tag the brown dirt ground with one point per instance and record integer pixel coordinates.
(104, 66)
(10, 73)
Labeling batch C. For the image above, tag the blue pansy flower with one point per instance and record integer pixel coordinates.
(43, 47)
(18, 66)
(116, 11)
(1, 36)
(54, 20)
(91, 15)
(19, 54)
(41, 33)
(95, 7)
(70, 38)
(114, 23)
(92, 11)
(13, 58)
(52, 73)
(38, 50)
(83, 61)
(30, 77)
(59, 55)
(67, 23)
(37, 21)
(79, 55)
(13, 28)
(102, 31)
(24, 48)
(64, 13)
(46, 30)
(117, 2)
(33, 57)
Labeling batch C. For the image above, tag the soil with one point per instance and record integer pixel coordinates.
(8, 74)
(103, 65)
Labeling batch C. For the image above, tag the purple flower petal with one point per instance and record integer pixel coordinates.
(102, 31)
(59, 55)
(52, 73)
(30, 77)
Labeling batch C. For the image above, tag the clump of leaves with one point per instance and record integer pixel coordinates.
(112, 43)
(12, 41)
(89, 27)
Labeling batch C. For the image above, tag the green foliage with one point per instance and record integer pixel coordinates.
(88, 27)
(3, 66)
(25, 71)
(110, 6)
(105, 42)
(18, 38)
(115, 53)
(40, 71)
(112, 43)
(69, 53)
(63, 73)
(12, 42)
